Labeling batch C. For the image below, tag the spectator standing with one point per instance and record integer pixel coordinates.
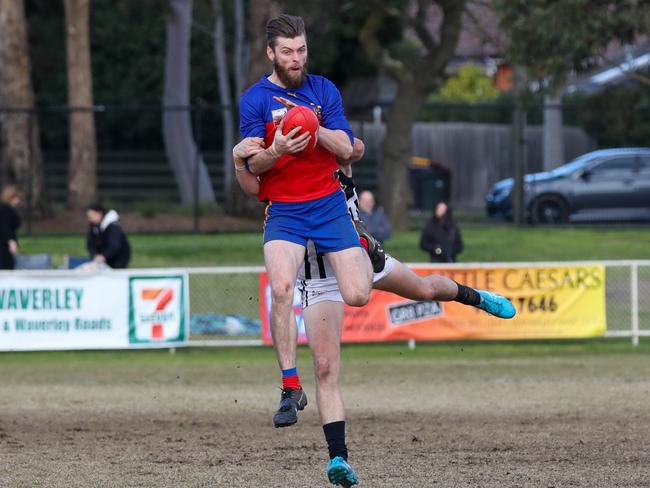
(374, 217)
(441, 236)
(106, 241)
(9, 224)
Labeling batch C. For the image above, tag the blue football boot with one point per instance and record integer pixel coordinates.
(339, 472)
(496, 305)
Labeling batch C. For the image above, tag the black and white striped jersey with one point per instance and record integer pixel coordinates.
(315, 265)
(347, 185)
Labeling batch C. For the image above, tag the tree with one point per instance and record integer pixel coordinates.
(82, 172)
(225, 95)
(21, 147)
(551, 39)
(470, 85)
(237, 202)
(413, 45)
(260, 12)
(617, 115)
(183, 154)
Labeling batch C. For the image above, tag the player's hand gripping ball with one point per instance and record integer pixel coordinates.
(305, 118)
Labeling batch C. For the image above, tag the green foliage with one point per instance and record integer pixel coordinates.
(498, 112)
(469, 85)
(552, 38)
(618, 116)
(334, 49)
(128, 55)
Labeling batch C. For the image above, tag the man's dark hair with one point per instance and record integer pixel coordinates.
(97, 207)
(284, 25)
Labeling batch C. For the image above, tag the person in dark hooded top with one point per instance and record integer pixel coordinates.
(107, 242)
(9, 223)
(441, 236)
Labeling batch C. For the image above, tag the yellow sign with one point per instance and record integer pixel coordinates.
(552, 303)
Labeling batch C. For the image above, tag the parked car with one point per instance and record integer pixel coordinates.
(608, 184)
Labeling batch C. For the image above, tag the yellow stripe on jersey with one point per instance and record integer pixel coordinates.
(266, 214)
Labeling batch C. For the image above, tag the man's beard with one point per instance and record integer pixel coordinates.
(287, 76)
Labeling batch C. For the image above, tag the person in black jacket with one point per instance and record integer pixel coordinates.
(106, 240)
(441, 236)
(9, 223)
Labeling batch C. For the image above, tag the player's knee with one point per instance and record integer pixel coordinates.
(357, 298)
(426, 290)
(324, 368)
(282, 291)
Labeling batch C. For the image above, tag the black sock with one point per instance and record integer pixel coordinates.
(335, 437)
(467, 295)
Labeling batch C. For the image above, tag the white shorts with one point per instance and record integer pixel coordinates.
(318, 290)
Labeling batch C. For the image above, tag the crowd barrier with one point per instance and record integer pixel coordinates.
(177, 307)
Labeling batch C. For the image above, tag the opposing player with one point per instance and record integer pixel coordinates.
(323, 311)
(303, 195)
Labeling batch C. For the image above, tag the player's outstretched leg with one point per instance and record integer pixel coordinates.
(291, 401)
(339, 472)
(496, 305)
(404, 282)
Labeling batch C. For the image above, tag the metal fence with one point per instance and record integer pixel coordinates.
(225, 303)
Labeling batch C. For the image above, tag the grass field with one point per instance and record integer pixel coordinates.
(451, 415)
(482, 244)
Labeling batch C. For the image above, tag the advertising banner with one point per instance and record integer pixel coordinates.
(552, 302)
(108, 310)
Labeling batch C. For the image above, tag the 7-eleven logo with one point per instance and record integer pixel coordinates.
(158, 309)
(161, 298)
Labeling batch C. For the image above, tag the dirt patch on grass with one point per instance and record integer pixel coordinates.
(449, 423)
(399, 449)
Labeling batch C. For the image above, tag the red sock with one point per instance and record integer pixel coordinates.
(290, 379)
(364, 242)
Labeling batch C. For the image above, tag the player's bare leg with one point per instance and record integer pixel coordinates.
(282, 259)
(404, 282)
(323, 324)
(354, 274)
(408, 284)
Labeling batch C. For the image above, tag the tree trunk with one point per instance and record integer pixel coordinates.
(553, 139)
(182, 152)
(253, 51)
(82, 177)
(20, 140)
(225, 95)
(260, 12)
(241, 52)
(416, 79)
(396, 154)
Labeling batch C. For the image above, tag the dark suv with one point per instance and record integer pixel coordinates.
(609, 184)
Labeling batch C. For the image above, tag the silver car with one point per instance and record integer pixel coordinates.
(609, 184)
